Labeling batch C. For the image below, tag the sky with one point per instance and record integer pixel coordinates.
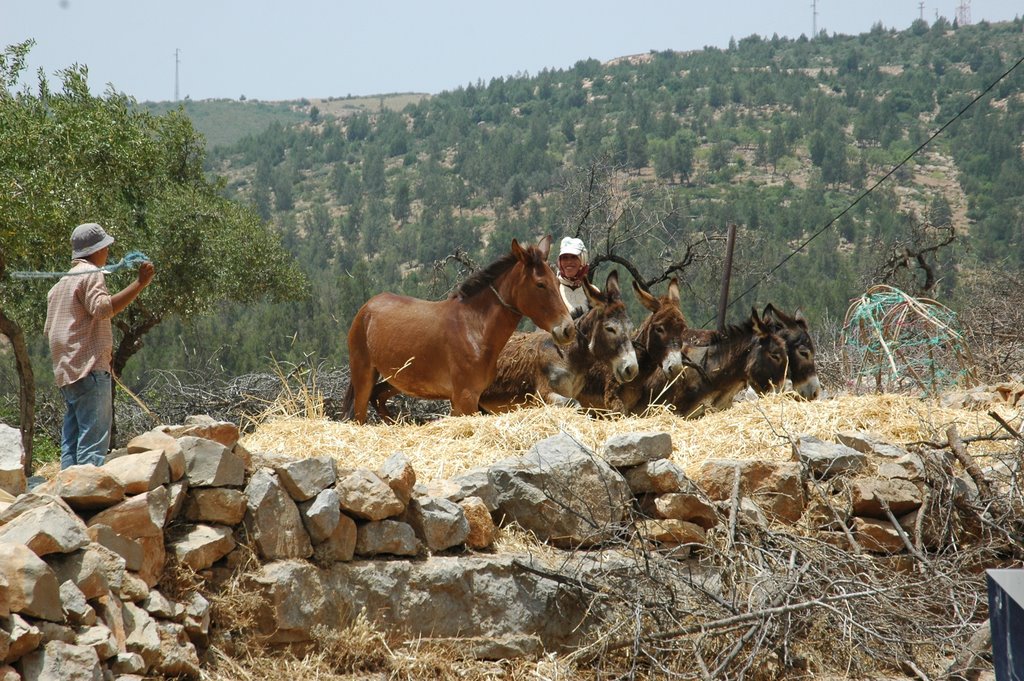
(290, 49)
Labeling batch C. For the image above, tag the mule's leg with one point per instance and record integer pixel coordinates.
(362, 374)
(380, 395)
(465, 401)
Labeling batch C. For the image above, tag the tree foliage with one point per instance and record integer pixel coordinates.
(68, 157)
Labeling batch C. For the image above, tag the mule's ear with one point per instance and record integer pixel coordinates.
(760, 326)
(518, 251)
(544, 246)
(769, 312)
(799, 318)
(645, 298)
(673, 291)
(611, 286)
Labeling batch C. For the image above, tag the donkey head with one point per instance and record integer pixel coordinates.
(802, 371)
(661, 333)
(767, 359)
(609, 329)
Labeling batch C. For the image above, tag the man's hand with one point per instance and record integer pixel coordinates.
(146, 273)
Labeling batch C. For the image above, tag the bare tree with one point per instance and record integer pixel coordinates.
(612, 212)
(912, 262)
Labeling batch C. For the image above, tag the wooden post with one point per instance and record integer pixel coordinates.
(723, 299)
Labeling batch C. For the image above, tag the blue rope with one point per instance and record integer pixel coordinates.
(132, 259)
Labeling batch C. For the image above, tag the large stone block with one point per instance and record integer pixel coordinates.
(777, 487)
(563, 493)
(32, 588)
(273, 520)
(210, 464)
(12, 461)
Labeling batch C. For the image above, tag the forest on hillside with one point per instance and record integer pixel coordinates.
(649, 159)
(814, 148)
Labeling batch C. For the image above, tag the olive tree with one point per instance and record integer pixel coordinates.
(69, 157)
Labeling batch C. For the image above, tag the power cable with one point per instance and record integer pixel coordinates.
(866, 192)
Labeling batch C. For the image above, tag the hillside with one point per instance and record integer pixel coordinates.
(225, 122)
(649, 159)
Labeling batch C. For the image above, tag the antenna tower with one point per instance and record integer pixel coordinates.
(963, 13)
(920, 7)
(177, 51)
(814, 19)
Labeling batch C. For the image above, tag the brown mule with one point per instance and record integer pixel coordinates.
(448, 349)
(531, 366)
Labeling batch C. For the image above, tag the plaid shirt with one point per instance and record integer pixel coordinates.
(78, 312)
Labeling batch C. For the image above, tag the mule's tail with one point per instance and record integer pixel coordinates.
(348, 403)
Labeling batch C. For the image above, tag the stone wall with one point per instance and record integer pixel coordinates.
(84, 557)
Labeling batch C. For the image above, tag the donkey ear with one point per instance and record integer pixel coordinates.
(760, 326)
(768, 312)
(594, 295)
(673, 291)
(544, 245)
(799, 318)
(645, 298)
(611, 286)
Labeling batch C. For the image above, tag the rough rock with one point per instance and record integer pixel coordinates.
(85, 488)
(272, 519)
(632, 449)
(776, 487)
(659, 476)
(439, 523)
(481, 526)
(63, 661)
(140, 516)
(141, 472)
(827, 459)
(321, 514)
(398, 473)
(386, 536)
(562, 493)
(305, 478)
(364, 495)
(340, 545)
(32, 587)
(200, 546)
(210, 464)
(218, 505)
(12, 461)
(902, 496)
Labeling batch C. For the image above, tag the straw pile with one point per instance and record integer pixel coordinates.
(758, 429)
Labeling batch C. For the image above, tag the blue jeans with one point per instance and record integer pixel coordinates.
(85, 438)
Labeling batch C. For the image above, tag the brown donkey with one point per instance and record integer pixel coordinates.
(449, 349)
(722, 364)
(658, 347)
(531, 366)
(802, 371)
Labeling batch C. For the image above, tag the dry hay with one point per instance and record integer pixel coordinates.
(758, 429)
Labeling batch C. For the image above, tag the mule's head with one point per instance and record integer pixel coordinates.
(609, 331)
(799, 347)
(661, 333)
(533, 289)
(767, 360)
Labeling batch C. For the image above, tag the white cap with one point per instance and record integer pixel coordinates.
(573, 246)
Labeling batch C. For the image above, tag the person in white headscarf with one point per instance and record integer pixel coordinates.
(572, 273)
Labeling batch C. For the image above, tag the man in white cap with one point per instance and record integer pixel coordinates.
(572, 271)
(78, 312)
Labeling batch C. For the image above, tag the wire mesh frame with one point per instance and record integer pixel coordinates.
(904, 345)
